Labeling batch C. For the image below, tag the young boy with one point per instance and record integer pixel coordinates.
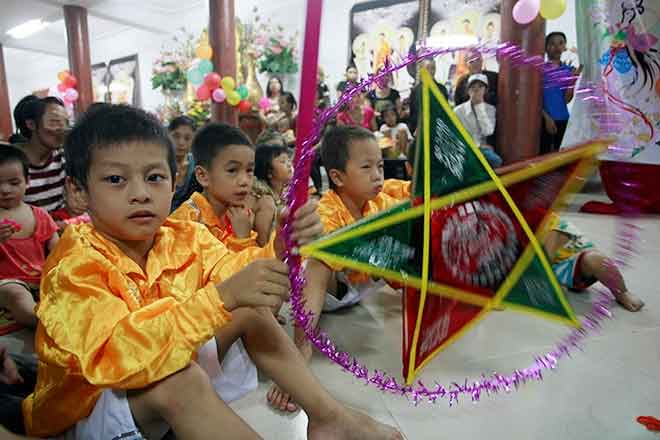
(127, 301)
(354, 164)
(224, 159)
(26, 234)
(225, 165)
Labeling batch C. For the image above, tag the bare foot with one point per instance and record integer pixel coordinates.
(629, 301)
(280, 400)
(352, 425)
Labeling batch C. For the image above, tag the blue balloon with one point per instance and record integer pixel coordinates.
(195, 76)
(205, 66)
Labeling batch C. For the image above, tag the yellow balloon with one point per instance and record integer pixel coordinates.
(552, 9)
(228, 84)
(233, 98)
(63, 75)
(204, 51)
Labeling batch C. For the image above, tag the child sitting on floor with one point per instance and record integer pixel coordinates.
(577, 264)
(354, 164)
(26, 234)
(129, 299)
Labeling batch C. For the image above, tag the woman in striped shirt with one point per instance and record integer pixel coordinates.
(43, 122)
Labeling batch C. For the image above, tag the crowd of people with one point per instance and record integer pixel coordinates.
(147, 259)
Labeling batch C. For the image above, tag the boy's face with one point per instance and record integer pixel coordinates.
(352, 74)
(129, 190)
(12, 184)
(229, 181)
(390, 118)
(363, 178)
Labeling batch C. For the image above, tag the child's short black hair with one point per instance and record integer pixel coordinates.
(263, 160)
(554, 34)
(290, 99)
(214, 138)
(107, 126)
(179, 121)
(9, 154)
(32, 108)
(334, 148)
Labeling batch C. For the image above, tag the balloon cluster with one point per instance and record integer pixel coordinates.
(67, 87)
(210, 85)
(525, 11)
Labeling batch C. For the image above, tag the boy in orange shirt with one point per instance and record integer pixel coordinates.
(127, 301)
(224, 158)
(354, 163)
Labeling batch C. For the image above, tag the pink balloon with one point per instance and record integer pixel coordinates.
(525, 11)
(70, 95)
(264, 103)
(219, 95)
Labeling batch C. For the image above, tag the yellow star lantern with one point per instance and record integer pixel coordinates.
(469, 240)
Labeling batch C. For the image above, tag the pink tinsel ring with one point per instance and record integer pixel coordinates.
(491, 383)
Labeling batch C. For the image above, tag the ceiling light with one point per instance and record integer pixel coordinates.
(26, 29)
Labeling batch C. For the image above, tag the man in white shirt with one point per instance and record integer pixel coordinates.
(478, 117)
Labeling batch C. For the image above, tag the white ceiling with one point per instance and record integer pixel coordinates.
(105, 18)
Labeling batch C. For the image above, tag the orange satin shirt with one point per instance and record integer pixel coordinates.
(335, 215)
(106, 323)
(198, 209)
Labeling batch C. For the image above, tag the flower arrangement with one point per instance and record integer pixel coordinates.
(274, 50)
(169, 69)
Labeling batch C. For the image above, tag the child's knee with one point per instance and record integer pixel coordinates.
(593, 262)
(174, 394)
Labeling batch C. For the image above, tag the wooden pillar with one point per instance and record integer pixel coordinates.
(75, 19)
(5, 108)
(519, 92)
(222, 38)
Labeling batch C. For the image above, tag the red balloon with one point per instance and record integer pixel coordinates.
(212, 80)
(244, 106)
(61, 87)
(203, 93)
(70, 82)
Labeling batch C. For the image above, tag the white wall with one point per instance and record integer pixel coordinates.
(27, 72)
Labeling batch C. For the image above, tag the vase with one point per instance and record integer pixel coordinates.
(254, 89)
(173, 98)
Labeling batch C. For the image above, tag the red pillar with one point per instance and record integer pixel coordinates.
(222, 38)
(519, 92)
(5, 108)
(75, 18)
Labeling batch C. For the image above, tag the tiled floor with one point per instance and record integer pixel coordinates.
(595, 395)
